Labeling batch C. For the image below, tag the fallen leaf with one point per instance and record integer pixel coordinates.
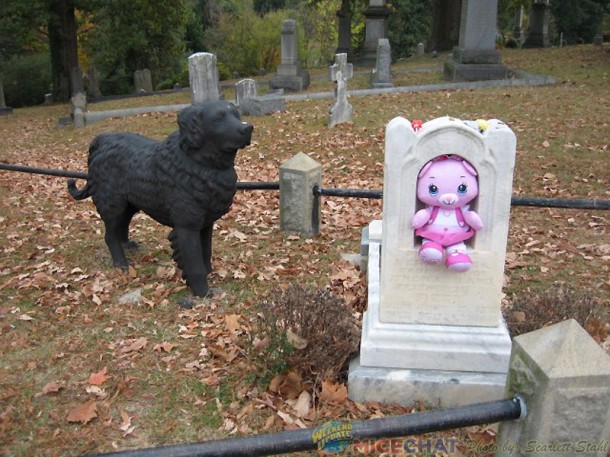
(333, 392)
(99, 378)
(295, 340)
(84, 413)
(135, 345)
(125, 420)
(52, 387)
(288, 386)
(302, 404)
(232, 324)
(165, 346)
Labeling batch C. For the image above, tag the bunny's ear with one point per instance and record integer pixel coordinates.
(469, 168)
(424, 169)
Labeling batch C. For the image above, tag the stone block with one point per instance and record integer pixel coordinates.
(260, 106)
(460, 72)
(564, 377)
(299, 207)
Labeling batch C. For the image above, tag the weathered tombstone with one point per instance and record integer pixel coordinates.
(93, 86)
(420, 49)
(79, 106)
(299, 207)
(564, 377)
(476, 58)
(290, 75)
(340, 72)
(537, 35)
(244, 90)
(142, 81)
(382, 76)
(250, 103)
(203, 77)
(3, 108)
(376, 18)
(429, 333)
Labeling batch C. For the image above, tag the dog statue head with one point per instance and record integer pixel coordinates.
(213, 132)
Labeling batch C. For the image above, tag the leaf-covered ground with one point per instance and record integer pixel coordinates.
(95, 360)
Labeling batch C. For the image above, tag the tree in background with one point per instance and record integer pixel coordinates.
(63, 47)
(445, 27)
(408, 25)
(133, 35)
(246, 49)
(29, 29)
(578, 20)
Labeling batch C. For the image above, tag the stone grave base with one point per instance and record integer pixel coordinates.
(441, 365)
(262, 105)
(459, 72)
(4, 111)
(435, 388)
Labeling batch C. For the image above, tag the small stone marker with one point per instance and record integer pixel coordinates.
(382, 76)
(290, 75)
(203, 77)
(299, 207)
(142, 81)
(340, 72)
(431, 334)
(564, 377)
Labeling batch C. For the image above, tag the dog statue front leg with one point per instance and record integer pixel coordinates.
(187, 252)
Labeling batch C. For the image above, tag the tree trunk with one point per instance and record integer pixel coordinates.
(446, 17)
(67, 79)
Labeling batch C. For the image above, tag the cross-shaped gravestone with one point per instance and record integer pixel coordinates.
(341, 65)
(340, 72)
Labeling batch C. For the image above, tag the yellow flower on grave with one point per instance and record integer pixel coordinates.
(483, 124)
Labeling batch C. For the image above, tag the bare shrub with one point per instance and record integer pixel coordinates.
(534, 309)
(318, 326)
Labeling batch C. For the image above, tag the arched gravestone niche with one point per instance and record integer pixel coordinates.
(412, 292)
(430, 334)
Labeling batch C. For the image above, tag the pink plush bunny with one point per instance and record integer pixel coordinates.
(446, 184)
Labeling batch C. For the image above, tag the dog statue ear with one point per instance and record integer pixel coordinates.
(191, 128)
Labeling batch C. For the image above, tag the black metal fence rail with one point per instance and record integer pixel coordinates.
(346, 432)
(544, 202)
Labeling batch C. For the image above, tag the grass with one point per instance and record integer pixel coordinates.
(196, 377)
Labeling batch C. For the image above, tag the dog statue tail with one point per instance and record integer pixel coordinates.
(76, 193)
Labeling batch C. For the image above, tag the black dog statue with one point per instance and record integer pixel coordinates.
(186, 182)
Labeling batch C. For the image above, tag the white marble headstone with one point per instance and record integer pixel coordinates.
(412, 292)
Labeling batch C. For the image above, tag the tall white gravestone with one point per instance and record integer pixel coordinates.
(203, 77)
(429, 333)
